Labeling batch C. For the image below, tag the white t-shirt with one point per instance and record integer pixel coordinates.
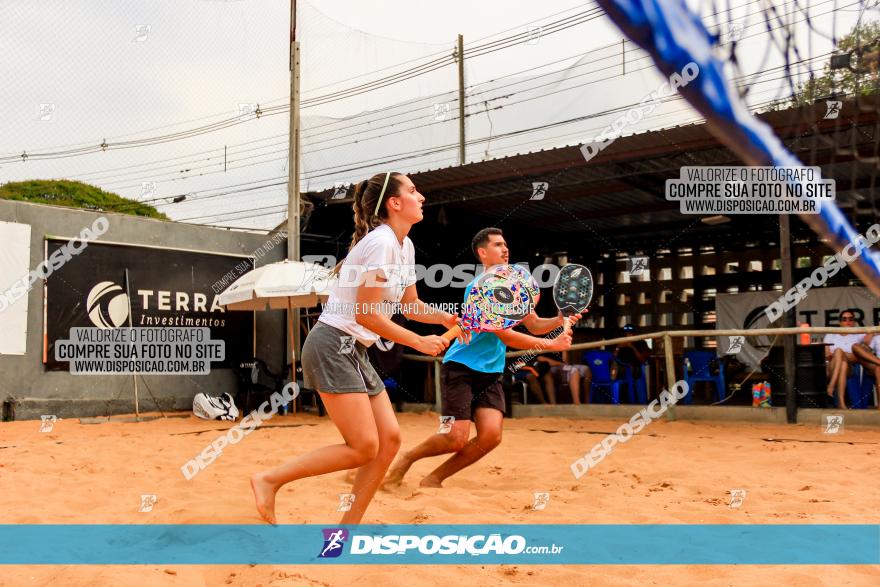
(843, 341)
(875, 344)
(381, 252)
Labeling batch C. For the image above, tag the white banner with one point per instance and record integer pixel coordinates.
(15, 258)
(822, 307)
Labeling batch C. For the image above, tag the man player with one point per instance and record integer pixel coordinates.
(471, 382)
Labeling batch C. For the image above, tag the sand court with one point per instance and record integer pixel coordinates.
(670, 473)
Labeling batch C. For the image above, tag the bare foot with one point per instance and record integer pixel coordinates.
(430, 481)
(264, 495)
(397, 472)
(350, 476)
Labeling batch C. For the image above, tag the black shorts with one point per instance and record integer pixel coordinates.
(464, 390)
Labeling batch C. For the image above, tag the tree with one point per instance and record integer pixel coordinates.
(75, 194)
(855, 71)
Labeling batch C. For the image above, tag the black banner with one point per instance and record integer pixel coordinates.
(169, 288)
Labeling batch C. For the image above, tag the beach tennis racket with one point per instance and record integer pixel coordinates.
(498, 299)
(572, 291)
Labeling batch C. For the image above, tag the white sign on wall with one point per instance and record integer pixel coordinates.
(15, 258)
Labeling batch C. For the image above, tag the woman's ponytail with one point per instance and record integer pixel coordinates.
(366, 200)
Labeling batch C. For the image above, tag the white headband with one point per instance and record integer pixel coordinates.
(382, 194)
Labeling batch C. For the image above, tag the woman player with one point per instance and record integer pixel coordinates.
(378, 273)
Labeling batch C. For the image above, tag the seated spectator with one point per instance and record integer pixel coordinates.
(840, 357)
(868, 354)
(573, 374)
(529, 372)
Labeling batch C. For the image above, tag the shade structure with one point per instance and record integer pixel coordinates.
(280, 286)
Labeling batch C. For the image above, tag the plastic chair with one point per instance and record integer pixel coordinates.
(600, 363)
(518, 379)
(701, 363)
(639, 385)
(256, 383)
(317, 404)
(859, 389)
(393, 389)
(867, 397)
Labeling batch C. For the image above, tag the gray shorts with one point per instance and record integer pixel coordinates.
(335, 362)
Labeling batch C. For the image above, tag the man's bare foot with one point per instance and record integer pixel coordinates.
(397, 472)
(430, 481)
(264, 495)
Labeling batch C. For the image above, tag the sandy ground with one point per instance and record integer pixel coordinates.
(672, 472)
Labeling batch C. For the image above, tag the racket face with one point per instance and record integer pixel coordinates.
(573, 290)
(499, 299)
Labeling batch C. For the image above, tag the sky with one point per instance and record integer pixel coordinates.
(79, 73)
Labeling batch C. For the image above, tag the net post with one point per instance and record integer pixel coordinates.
(670, 372)
(437, 403)
(788, 347)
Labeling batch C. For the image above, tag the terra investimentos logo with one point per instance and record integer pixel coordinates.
(107, 305)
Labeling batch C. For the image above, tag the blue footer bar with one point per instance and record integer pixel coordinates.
(792, 544)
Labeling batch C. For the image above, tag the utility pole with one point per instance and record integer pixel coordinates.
(293, 197)
(293, 203)
(460, 53)
(788, 347)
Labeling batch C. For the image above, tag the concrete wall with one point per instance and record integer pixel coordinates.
(34, 391)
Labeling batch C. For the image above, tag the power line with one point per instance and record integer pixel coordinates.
(333, 170)
(555, 26)
(333, 96)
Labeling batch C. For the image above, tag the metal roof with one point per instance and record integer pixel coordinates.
(617, 198)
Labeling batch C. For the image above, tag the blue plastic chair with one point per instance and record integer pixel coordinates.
(701, 363)
(390, 384)
(639, 385)
(859, 389)
(636, 387)
(600, 363)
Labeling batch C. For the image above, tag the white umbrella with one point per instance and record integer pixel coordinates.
(278, 286)
(281, 286)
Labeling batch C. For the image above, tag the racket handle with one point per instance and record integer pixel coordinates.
(452, 333)
(566, 325)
